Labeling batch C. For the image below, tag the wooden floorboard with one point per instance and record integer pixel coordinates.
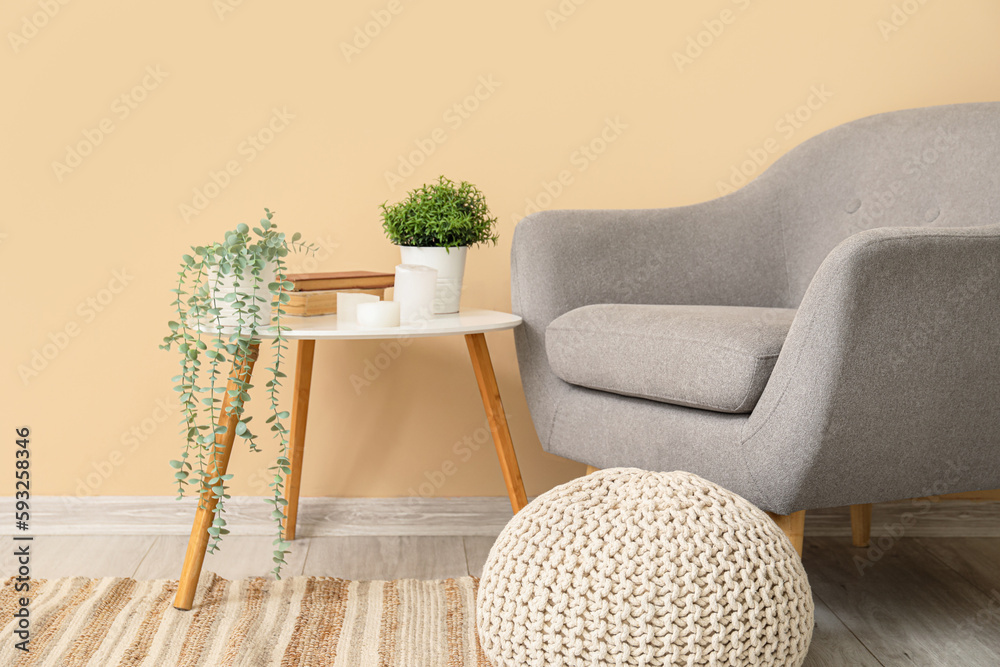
(240, 556)
(902, 603)
(976, 559)
(476, 551)
(833, 643)
(81, 556)
(382, 557)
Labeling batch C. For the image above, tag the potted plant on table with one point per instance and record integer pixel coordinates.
(435, 226)
(228, 295)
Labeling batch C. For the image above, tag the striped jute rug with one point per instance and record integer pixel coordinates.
(300, 621)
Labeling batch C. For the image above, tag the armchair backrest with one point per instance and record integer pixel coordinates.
(934, 167)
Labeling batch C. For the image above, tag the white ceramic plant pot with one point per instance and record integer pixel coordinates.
(450, 265)
(220, 286)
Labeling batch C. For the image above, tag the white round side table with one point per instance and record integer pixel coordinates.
(472, 324)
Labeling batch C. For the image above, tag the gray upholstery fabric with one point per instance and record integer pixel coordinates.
(710, 357)
(889, 376)
(886, 387)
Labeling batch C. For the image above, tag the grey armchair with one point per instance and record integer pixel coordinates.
(827, 335)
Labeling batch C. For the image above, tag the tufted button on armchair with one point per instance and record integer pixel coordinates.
(827, 335)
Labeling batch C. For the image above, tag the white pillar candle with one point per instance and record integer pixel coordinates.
(378, 315)
(347, 304)
(414, 291)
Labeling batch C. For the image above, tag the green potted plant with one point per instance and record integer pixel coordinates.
(435, 226)
(228, 293)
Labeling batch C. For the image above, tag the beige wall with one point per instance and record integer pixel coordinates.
(177, 89)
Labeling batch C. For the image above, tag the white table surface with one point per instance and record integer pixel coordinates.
(326, 327)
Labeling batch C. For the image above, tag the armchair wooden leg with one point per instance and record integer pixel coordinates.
(861, 524)
(793, 526)
(198, 542)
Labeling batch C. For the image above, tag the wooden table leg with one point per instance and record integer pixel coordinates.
(300, 411)
(198, 542)
(498, 420)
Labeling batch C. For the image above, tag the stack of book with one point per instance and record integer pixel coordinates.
(316, 293)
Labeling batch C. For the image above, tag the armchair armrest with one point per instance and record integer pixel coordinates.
(888, 380)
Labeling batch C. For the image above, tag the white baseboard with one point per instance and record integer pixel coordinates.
(250, 515)
(482, 516)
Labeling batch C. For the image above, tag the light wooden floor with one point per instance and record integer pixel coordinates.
(927, 601)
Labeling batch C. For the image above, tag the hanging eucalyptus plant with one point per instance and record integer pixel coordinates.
(228, 295)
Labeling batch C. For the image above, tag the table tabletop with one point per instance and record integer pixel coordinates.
(326, 327)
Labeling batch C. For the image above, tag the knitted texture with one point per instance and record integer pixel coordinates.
(628, 567)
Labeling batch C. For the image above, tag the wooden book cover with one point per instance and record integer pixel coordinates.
(321, 302)
(307, 282)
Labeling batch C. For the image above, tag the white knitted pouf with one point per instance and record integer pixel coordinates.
(628, 567)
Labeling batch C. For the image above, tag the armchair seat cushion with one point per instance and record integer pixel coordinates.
(709, 357)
